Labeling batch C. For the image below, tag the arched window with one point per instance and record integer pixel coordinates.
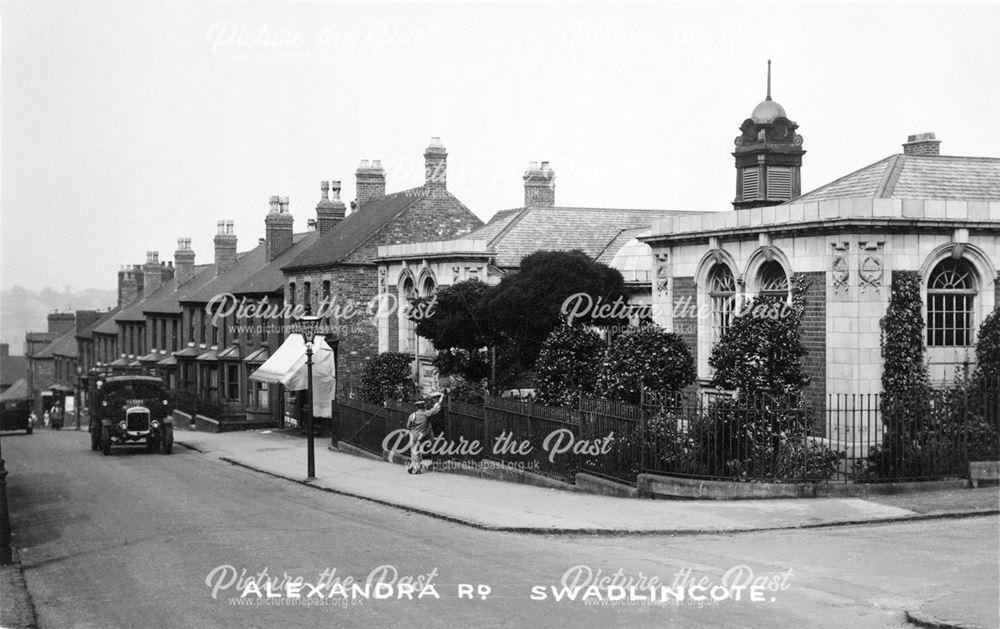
(427, 290)
(722, 291)
(951, 294)
(772, 280)
(407, 293)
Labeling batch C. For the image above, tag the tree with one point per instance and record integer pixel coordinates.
(760, 354)
(527, 305)
(387, 377)
(645, 356)
(458, 329)
(567, 365)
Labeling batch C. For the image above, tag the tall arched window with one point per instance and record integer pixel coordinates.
(772, 280)
(407, 293)
(951, 295)
(722, 291)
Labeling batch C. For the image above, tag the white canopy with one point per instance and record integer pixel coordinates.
(287, 366)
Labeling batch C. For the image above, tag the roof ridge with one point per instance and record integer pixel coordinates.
(890, 177)
(842, 178)
(517, 218)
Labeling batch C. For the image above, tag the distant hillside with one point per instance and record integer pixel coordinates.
(23, 310)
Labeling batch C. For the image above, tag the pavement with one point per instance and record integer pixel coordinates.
(16, 608)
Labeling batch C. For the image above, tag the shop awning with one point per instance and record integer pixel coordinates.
(287, 366)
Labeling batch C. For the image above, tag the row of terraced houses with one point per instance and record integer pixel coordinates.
(915, 210)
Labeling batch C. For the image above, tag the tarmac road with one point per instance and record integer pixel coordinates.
(129, 541)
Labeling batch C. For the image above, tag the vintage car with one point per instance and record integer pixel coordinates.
(131, 410)
(16, 415)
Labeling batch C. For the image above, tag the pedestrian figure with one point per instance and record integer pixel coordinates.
(45, 418)
(419, 425)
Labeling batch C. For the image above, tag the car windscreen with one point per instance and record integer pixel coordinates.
(138, 390)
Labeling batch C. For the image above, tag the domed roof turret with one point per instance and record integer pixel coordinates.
(767, 111)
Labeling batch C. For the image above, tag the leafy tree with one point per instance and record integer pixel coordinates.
(527, 305)
(458, 330)
(387, 377)
(645, 356)
(567, 365)
(760, 354)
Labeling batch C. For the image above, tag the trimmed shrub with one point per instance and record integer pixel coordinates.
(388, 377)
(760, 354)
(645, 356)
(988, 350)
(567, 365)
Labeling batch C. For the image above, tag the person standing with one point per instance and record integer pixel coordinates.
(419, 425)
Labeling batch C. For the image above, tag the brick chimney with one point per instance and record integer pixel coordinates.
(278, 226)
(539, 185)
(225, 247)
(329, 211)
(183, 261)
(922, 144)
(152, 273)
(60, 322)
(130, 282)
(85, 318)
(435, 166)
(371, 182)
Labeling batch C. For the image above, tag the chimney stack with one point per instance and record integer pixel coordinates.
(183, 261)
(329, 211)
(435, 166)
(278, 226)
(225, 247)
(539, 185)
(85, 318)
(922, 144)
(60, 322)
(130, 283)
(371, 182)
(152, 273)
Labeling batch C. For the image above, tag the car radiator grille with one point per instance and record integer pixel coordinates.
(137, 421)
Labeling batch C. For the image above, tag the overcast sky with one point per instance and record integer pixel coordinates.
(128, 124)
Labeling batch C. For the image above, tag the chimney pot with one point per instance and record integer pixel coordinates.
(436, 165)
(539, 185)
(278, 226)
(370, 181)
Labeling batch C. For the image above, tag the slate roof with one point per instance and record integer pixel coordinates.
(12, 368)
(16, 391)
(356, 229)
(167, 298)
(64, 345)
(270, 279)
(917, 177)
(88, 331)
(513, 234)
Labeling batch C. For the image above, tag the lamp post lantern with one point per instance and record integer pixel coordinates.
(308, 326)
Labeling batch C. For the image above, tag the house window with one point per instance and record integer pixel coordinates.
(307, 296)
(291, 294)
(951, 294)
(751, 183)
(722, 291)
(772, 280)
(232, 382)
(173, 329)
(163, 334)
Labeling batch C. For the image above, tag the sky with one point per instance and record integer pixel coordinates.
(125, 125)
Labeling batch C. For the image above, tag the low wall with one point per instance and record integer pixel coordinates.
(653, 486)
(604, 487)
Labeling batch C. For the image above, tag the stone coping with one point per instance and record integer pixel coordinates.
(435, 248)
(824, 213)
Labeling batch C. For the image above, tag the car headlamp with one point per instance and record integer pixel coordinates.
(121, 425)
(155, 424)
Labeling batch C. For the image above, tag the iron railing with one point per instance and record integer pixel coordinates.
(855, 438)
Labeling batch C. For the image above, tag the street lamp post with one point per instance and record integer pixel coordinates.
(79, 394)
(308, 325)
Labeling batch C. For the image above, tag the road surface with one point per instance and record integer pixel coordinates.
(136, 540)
